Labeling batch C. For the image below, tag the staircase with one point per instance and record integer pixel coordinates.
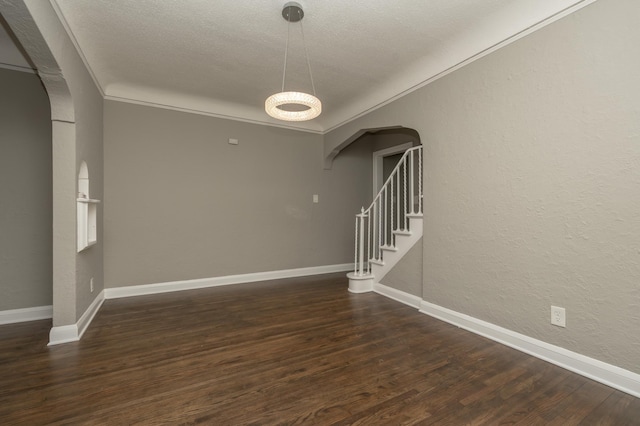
(390, 226)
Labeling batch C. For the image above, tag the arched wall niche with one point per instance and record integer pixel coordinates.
(83, 181)
(87, 215)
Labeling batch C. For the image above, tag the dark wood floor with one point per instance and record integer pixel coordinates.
(298, 351)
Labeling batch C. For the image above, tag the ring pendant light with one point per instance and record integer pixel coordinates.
(301, 106)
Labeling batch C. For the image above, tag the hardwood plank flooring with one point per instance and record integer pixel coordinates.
(295, 351)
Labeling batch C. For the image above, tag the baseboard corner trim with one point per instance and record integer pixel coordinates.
(12, 316)
(607, 374)
(397, 295)
(73, 332)
(89, 314)
(166, 287)
(63, 334)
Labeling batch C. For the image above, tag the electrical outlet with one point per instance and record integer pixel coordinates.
(91, 284)
(558, 316)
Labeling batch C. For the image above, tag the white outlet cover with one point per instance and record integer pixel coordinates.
(558, 316)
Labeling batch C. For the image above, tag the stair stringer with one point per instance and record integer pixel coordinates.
(404, 241)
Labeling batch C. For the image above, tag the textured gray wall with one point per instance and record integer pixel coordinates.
(532, 182)
(25, 192)
(74, 142)
(181, 203)
(89, 135)
(384, 139)
(406, 275)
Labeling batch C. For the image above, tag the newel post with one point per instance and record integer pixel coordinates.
(360, 249)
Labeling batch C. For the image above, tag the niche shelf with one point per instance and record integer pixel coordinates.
(87, 212)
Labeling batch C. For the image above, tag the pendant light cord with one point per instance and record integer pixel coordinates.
(286, 49)
(306, 54)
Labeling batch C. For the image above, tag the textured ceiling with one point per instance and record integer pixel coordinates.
(225, 57)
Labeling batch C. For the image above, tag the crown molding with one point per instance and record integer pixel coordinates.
(74, 41)
(17, 68)
(238, 113)
(502, 29)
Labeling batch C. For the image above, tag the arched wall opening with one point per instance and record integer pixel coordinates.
(384, 148)
(63, 142)
(25, 192)
(395, 206)
(378, 137)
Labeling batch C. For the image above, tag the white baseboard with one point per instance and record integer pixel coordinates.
(397, 295)
(610, 375)
(63, 334)
(26, 314)
(145, 289)
(74, 332)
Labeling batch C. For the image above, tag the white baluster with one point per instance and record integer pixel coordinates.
(355, 244)
(404, 177)
(385, 215)
(379, 230)
(369, 243)
(411, 179)
(361, 242)
(420, 180)
(393, 243)
(373, 218)
(398, 198)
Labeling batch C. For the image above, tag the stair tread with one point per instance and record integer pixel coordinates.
(389, 248)
(376, 262)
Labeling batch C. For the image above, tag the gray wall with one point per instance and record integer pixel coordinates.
(384, 139)
(181, 203)
(532, 182)
(25, 192)
(89, 134)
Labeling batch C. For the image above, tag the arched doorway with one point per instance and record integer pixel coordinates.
(63, 141)
(25, 188)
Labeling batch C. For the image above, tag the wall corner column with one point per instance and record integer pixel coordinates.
(64, 223)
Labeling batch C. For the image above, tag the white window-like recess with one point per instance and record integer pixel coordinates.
(87, 211)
